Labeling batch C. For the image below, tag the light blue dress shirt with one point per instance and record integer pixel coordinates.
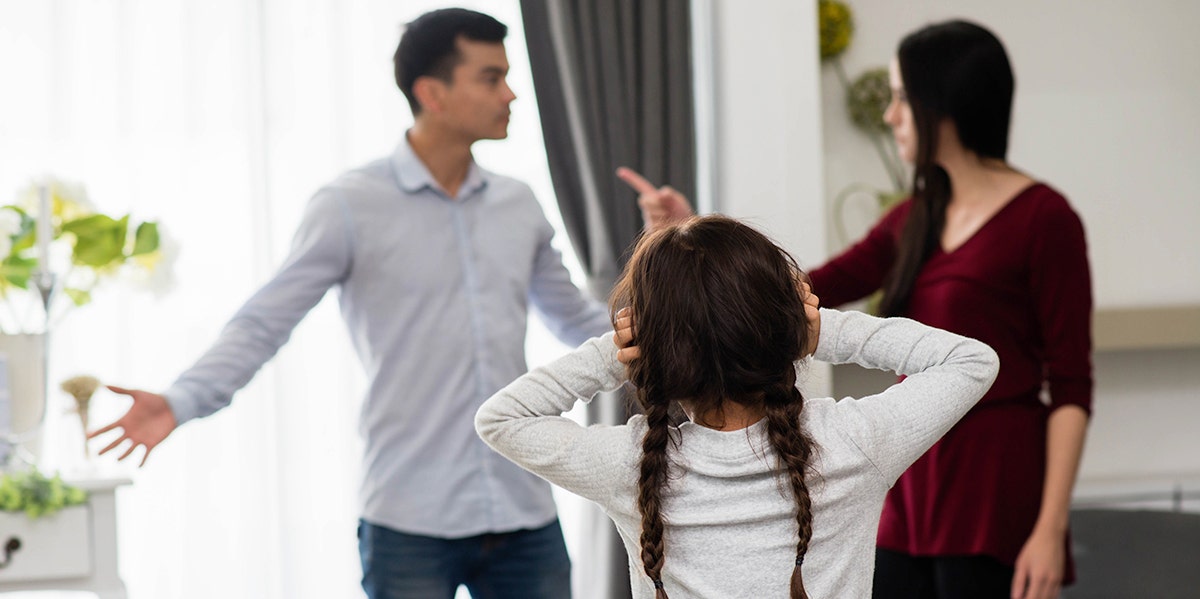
(435, 294)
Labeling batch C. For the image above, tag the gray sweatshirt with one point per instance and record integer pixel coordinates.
(730, 515)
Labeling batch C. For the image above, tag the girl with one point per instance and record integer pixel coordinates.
(759, 492)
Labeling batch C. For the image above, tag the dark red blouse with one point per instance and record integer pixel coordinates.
(1022, 285)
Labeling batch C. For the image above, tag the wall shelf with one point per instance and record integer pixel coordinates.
(1165, 327)
(1113, 330)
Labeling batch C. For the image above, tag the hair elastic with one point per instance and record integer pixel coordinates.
(658, 583)
(800, 561)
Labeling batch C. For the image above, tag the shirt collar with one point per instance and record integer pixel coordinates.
(414, 176)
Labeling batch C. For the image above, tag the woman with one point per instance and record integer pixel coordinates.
(758, 481)
(983, 250)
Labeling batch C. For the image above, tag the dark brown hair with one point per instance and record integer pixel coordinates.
(719, 317)
(429, 46)
(959, 71)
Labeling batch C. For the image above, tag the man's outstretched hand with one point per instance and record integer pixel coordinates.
(661, 206)
(148, 421)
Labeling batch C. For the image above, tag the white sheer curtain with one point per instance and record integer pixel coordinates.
(220, 118)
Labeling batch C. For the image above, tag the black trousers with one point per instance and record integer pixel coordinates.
(902, 576)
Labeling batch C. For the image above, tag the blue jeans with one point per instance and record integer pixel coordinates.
(525, 564)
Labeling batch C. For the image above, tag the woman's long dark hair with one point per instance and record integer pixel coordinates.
(953, 70)
(719, 317)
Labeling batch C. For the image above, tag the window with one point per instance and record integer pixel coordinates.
(220, 119)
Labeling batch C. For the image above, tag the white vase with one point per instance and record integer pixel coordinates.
(22, 395)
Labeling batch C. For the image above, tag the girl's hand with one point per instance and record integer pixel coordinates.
(812, 312)
(626, 350)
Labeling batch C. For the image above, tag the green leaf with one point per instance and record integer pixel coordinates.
(146, 239)
(99, 240)
(76, 496)
(78, 296)
(24, 238)
(36, 495)
(18, 271)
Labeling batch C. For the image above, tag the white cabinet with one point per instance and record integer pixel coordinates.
(74, 550)
(59, 546)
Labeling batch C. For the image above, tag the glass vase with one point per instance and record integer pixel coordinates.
(22, 398)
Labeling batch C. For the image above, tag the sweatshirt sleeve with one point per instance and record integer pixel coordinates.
(524, 421)
(945, 375)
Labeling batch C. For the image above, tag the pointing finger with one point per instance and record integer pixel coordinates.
(635, 180)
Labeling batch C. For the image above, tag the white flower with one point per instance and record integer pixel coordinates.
(162, 280)
(82, 255)
(72, 198)
(154, 272)
(10, 224)
(80, 278)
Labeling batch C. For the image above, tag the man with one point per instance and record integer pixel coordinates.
(436, 261)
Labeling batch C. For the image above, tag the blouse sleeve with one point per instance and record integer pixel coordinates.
(1061, 285)
(860, 270)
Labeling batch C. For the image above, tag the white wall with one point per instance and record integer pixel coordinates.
(1106, 112)
(768, 141)
(768, 127)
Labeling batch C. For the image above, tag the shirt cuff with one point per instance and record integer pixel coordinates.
(183, 403)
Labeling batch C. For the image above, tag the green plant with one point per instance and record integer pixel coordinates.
(86, 247)
(836, 23)
(868, 95)
(36, 495)
(867, 98)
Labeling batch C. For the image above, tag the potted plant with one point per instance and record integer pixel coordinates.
(866, 97)
(56, 248)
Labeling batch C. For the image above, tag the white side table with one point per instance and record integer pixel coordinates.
(74, 550)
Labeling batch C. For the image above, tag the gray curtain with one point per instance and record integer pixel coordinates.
(614, 87)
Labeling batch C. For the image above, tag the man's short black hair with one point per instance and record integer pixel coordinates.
(429, 45)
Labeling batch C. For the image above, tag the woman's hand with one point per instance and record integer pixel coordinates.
(626, 350)
(661, 206)
(1039, 567)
